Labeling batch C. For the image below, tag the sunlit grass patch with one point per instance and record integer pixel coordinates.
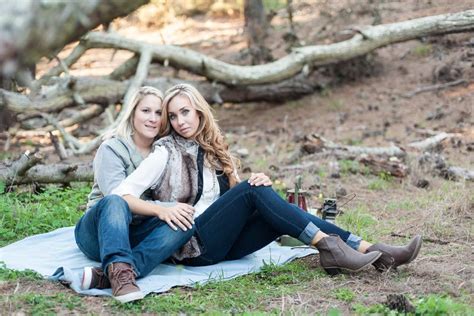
(344, 294)
(43, 304)
(25, 214)
(433, 304)
(11, 275)
(359, 222)
(381, 183)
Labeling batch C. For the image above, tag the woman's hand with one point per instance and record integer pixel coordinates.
(258, 179)
(180, 215)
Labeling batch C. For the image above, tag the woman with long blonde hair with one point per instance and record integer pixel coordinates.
(128, 242)
(191, 163)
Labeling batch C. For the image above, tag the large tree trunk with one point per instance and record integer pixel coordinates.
(256, 27)
(31, 29)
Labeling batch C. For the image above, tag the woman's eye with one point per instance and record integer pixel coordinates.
(145, 110)
(158, 113)
(185, 112)
(172, 117)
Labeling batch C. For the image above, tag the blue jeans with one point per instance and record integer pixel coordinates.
(106, 233)
(247, 218)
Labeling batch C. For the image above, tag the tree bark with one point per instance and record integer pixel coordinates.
(31, 29)
(256, 31)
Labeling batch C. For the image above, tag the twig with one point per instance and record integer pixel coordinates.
(76, 53)
(58, 146)
(84, 115)
(136, 82)
(426, 239)
(434, 87)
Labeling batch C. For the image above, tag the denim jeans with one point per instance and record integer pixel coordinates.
(106, 233)
(247, 218)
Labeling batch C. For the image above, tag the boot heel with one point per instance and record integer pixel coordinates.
(332, 271)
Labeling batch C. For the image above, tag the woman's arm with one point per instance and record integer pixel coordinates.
(179, 215)
(109, 169)
(144, 177)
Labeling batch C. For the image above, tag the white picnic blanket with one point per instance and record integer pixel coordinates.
(56, 256)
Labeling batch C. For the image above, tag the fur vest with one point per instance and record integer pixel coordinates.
(182, 181)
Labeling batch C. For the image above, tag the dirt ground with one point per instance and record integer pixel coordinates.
(371, 109)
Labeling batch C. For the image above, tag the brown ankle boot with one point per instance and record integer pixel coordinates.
(336, 256)
(122, 280)
(394, 256)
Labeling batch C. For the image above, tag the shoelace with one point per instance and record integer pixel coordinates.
(125, 276)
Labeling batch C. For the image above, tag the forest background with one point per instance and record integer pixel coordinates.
(389, 133)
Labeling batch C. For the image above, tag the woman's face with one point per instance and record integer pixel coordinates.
(183, 116)
(147, 119)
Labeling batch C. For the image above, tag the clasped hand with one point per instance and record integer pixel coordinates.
(258, 179)
(179, 215)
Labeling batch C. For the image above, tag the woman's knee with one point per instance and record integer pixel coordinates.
(114, 208)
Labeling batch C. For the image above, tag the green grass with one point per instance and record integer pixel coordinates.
(344, 294)
(12, 275)
(348, 166)
(40, 304)
(25, 214)
(242, 294)
(381, 183)
(433, 304)
(359, 222)
(274, 4)
(423, 50)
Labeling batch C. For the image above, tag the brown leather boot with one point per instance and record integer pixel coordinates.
(336, 256)
(122, 280)
(394, 256)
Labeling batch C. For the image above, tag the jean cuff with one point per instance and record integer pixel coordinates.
(307, 235)
(353, 241)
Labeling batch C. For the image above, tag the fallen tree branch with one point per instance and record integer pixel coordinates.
(136, 83)
(389, 166)
(81, 116)
(316, 143)
(30, 30)
(105, 91)
(435, 87)
(433, 141)
(292, 64)
(13, 171)
(54, 173)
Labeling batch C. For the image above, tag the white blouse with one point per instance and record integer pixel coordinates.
(149, 172)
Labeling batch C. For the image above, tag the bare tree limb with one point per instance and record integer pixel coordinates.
(54, 173)
(433, 141)
(292, 64)
(316, 143)
(31, 29)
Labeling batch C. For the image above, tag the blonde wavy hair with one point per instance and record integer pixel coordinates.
(125, 127)
(208, 135)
